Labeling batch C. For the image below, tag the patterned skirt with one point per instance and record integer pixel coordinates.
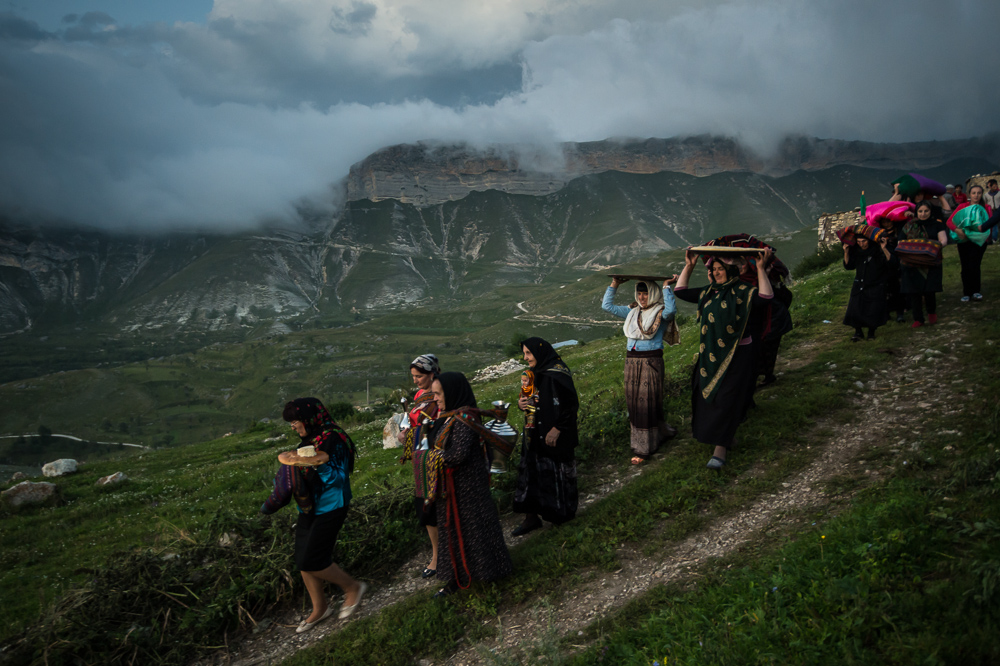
(644, 399)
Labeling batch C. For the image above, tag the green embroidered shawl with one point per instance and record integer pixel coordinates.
(723, 312)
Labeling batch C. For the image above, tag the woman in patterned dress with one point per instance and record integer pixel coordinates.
(723, 378)
(470, 539)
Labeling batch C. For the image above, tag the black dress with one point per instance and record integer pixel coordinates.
(716, 421)
(867, 306)
(546, 475)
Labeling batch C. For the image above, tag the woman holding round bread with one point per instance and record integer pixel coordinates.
(317, 477)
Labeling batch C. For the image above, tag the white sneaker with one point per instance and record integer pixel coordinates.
(977, 296)
(965, 299)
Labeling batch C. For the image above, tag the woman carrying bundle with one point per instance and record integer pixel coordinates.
(723, 378)
(922, 283)
(470, 539)
(867, 306)
(546, 473)
(967, 227)
(646, 322)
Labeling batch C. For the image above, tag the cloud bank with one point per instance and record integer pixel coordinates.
(238, 121)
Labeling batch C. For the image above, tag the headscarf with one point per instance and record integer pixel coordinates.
(546, 358)
(427, 363)
(641, 323)
(528, 390)
(724, 311)
(321, 431)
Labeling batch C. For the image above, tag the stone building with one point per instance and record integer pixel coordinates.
(830, 223)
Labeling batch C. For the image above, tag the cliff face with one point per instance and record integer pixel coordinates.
(424, 174)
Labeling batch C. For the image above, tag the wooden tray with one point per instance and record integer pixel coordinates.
(728, 251)
(295, 460)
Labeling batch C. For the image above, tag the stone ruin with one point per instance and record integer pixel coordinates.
(830, 223)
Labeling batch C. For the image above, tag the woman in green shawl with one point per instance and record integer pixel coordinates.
(723, 379)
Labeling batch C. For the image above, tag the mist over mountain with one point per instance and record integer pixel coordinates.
(426, 225)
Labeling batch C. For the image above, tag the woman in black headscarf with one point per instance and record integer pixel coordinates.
(722, 381)
(470, 539)
(546, 474)
(322, 490)
(867, 306)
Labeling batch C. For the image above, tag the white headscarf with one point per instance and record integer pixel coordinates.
(649, 317)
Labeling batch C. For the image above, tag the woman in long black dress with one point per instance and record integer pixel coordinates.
(546, 475)
(470, 539)
(867, 306)
(723, 378)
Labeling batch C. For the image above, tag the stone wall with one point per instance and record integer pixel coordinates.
(980, 179)
(830, 223)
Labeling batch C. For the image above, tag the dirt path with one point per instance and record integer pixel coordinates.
(887, 405)
(887, 408)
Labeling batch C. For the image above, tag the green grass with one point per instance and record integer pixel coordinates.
(180, 500)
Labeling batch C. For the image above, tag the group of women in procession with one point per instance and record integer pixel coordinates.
(742, 313)
(896, 253)
(448, 443)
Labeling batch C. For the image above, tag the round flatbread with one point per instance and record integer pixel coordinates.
(295, 460)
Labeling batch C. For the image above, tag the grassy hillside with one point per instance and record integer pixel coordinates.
(905, 568)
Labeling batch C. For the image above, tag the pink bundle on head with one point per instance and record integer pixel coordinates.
(894, 211)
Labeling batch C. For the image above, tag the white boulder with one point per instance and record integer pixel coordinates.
(111, 479)
(59, 467)
(29, 492)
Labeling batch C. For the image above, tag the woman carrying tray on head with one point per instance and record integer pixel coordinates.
(423, 370)
(546, 474)
(646, 321)
(722, 382)
(321, 486)
(471, 545)
(921, 283)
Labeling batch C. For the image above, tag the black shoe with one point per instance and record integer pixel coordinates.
(900, 319)
(449, 589)
(856, 338)
(427, 573)
(770, 379)
(526, 527)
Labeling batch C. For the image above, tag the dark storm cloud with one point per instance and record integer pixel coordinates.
(268, 104)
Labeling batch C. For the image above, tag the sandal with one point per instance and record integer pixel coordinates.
(638, 460)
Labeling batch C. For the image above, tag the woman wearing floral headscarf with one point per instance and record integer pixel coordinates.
(646, 321)
(322, 490)
(423, 370)
(546, 473)
(723, 378)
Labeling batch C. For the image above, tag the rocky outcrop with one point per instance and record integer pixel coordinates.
(29, 492)
(59, 467)
(425, 174)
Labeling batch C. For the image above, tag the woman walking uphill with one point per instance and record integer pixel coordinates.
(921, 284)
(321, 486)
(722, 380)
(423, 370)
(546, 474)
(646, 321)
(470, 539)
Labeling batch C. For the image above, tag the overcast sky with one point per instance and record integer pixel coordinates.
(194, 114)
